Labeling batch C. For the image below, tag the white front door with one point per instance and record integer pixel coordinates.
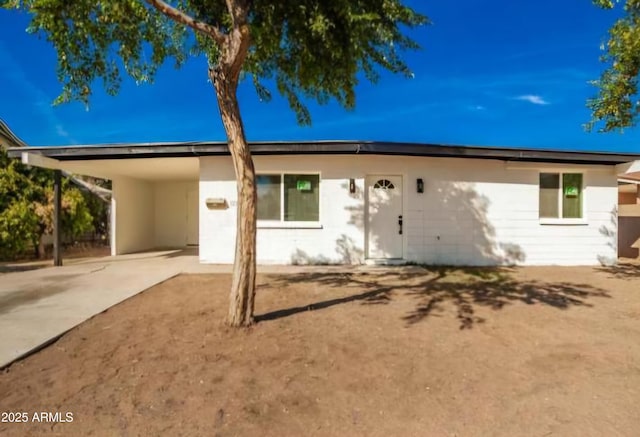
(384, 217)
(192, 216)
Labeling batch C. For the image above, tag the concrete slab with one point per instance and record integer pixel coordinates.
(38, 306)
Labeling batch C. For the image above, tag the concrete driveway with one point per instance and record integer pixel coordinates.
(38, 306)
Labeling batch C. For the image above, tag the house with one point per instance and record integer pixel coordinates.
(355, 202)
(7, 137)
(629, 218)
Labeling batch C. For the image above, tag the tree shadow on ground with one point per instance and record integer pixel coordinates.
(434, 290)
(623, 270)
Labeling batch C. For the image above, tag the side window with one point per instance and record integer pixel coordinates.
(301, 198)
(572, 195)
(549, 186)
(561, 195)
(268, 187)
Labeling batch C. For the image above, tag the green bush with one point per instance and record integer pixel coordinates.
(26, 208)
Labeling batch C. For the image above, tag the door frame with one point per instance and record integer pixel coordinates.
(367, 178)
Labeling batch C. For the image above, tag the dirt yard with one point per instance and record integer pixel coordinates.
(384, 352)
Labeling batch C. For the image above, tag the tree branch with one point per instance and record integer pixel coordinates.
(239, 10)
(181, 17)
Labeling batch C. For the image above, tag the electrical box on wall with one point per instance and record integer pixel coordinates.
(217, 203)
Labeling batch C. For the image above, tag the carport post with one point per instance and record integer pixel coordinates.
(57, 206)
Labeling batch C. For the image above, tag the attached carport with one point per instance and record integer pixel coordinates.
(154, 202)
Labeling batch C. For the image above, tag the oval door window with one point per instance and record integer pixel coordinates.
(384, 184)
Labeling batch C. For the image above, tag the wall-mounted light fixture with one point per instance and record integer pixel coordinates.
(217, 203)
(420, 185)
(352, 186)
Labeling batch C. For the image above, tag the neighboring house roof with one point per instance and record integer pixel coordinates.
(624, 181)
(190, 149)
(7, 138)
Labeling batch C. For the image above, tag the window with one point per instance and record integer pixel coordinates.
(268, 197)
(289, 197)
(384, 184)
(561, 195)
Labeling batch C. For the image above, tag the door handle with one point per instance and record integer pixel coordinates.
(400, 224)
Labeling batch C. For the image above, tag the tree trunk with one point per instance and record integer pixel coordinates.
(42, 250)
(225, 77)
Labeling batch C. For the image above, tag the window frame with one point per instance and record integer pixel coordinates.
(281, 223)
(561, 220)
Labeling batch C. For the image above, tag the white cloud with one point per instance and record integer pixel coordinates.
(61, 131)
(532, 98)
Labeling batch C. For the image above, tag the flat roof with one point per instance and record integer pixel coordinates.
(191, 149)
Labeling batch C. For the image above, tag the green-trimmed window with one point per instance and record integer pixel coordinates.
(289, 197)
(561, 195)
(268, 196)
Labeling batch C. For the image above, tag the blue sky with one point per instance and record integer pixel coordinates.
(503, 73)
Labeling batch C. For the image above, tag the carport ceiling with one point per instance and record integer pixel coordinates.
(153, 169)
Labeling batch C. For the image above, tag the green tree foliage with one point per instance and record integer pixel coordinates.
(617, 104)
(309, 48)
(18, 220)
(18, 229)
(98, 209)
(26, 208)
(304, 49)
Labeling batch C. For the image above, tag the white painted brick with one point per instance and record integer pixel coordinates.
(480, 209)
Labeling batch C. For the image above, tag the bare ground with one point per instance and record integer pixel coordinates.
(411, 351)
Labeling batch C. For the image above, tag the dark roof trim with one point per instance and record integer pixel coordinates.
(190, 149)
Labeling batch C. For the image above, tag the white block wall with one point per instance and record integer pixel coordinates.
(473, 212)
(133, 215)
(337, 241)
(171, 212)
(149, 215)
